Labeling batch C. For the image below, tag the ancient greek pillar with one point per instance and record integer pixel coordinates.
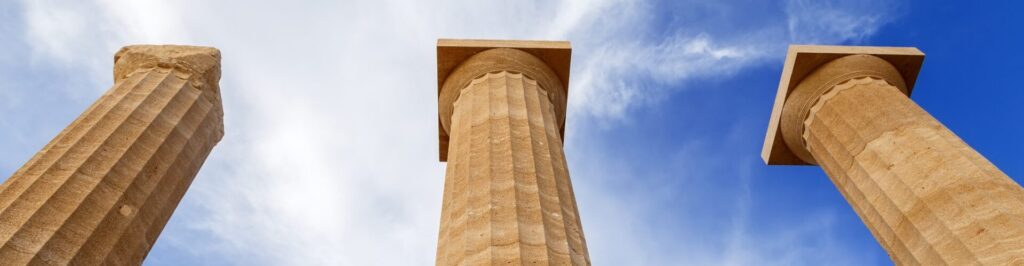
(926, 196)
(102, 190)
(507, 194)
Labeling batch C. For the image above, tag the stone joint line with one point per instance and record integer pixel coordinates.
(832, 88)
(483, 77)
(181, 68)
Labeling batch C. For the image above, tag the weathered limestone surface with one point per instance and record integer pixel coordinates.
(926, 196)
(508, 198)
(103, 189)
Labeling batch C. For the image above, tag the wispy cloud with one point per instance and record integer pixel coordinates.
(626, 67)
(813, 22)
(618, 75)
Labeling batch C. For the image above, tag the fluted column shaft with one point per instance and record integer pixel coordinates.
(508, 197)
(928, 197)
(103, 189)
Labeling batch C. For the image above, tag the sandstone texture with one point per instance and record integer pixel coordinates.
(926, 196)
(103, 189)
(507, 194)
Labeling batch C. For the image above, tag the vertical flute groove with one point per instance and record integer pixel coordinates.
(110, 187)
(62, 197)
(88, 127)
(925, 194)
(520, 170)
(14, 186)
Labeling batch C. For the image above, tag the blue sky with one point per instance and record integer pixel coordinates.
(329, 156)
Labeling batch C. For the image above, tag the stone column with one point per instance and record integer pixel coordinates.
(926, 196)
(507, 195)
(102, 190)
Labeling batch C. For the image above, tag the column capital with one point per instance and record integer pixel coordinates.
(201, 61)
(460, 61)
(811, 68)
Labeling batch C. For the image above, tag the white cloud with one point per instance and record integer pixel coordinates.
(82, 36)
(330, 156)
(52, 28)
